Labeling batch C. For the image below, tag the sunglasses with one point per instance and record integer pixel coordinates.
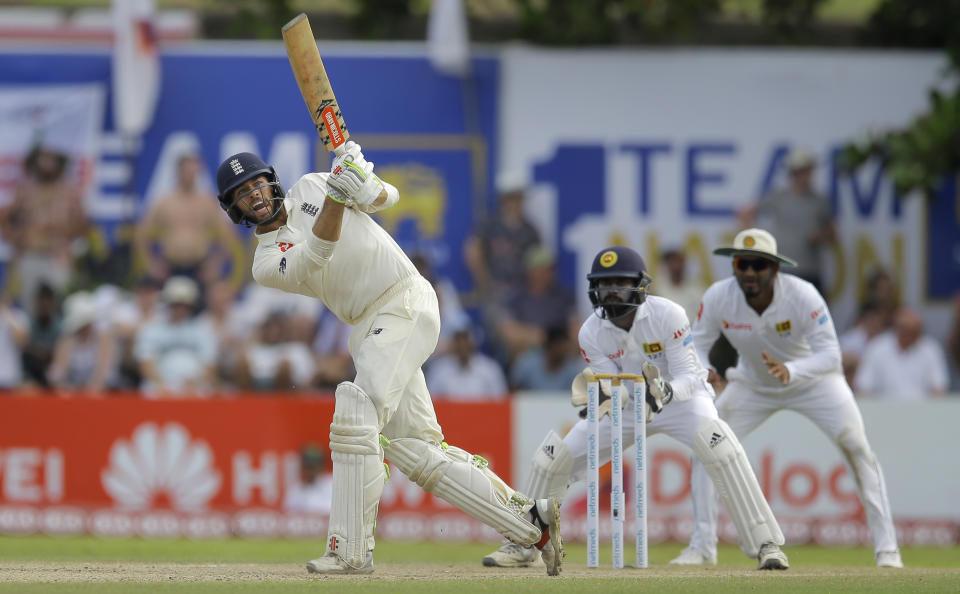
(757, 264)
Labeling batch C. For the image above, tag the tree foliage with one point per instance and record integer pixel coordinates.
(918, 156)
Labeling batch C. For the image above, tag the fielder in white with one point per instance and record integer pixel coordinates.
(789, 359)
(631, 332)
(319, 240)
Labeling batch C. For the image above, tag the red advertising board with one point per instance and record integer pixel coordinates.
(213, 466)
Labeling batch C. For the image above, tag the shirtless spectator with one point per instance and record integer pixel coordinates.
(42, 222)
(184, 233)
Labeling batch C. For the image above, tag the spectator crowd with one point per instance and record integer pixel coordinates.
(183, 325)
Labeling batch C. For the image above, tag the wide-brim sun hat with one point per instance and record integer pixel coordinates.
(80, 310)
(755, 242)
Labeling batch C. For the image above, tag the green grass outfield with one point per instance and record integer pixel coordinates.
(85, 564)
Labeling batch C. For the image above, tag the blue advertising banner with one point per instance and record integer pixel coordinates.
(431, 135)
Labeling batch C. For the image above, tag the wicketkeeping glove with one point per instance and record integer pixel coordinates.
(603, 408)
(659, 391)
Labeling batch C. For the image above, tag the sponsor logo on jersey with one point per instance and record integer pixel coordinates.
(735, 326)
(310, 209)
(375, 331)
(283, 265)
(608, 259)
(783, 327)
(284, 246)
(616, 355)
(651, 348)
(678, 333)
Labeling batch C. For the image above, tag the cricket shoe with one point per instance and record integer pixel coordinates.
(332, 564)
(691, 556)
(771, 557)
(514, 555)
(545, 515)
(889, 559)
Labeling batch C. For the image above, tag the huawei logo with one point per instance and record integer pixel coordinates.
(161, 467)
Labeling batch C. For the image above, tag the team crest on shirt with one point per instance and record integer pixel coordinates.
(783, 328)
(310, 209)
(653, 350)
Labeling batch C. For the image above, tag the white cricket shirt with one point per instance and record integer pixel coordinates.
(795, 329)
(660, 334)
(365, 264)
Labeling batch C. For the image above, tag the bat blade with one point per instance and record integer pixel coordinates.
(314, 84)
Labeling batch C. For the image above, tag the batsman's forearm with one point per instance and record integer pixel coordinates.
(329, 221)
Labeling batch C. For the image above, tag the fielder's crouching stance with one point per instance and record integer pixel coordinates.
(629, 332)
(319, 240)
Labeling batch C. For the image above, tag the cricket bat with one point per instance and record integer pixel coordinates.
(313, 82)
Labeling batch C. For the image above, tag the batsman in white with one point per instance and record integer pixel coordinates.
(789, 359)
(629, 332)
(319, 240)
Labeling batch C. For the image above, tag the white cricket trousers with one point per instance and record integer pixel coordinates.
(388, 346)
(829, 403)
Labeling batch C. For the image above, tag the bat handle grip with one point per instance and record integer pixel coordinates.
(340, 150)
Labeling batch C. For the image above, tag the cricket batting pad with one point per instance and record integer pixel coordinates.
(462, 479)
(358, 474)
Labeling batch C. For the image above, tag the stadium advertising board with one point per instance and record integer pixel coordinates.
(801, 472)
(665, 145)
(203, 468)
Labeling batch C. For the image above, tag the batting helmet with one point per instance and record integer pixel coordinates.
(235, 171)
(617, 262)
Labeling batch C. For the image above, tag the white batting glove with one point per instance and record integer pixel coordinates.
(352, 176)
(353, 150)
